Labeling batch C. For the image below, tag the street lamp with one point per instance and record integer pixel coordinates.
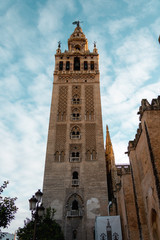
(109, 204)
(37, 209)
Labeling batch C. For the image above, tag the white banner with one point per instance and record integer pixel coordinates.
(108, 228)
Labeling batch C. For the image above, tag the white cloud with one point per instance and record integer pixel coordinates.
(51, 15)
(117, 26)
(33, 62)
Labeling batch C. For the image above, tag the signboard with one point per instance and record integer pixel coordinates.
(108, 228)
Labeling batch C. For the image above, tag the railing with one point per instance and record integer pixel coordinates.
(74, 213)
(76, 118)
(75, 136)
(74, 159)
(76, 101)
(75, 182)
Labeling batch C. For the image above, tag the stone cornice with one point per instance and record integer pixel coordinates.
(146, 106)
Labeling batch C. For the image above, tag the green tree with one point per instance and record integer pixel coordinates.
(46, 228)
(7, 208)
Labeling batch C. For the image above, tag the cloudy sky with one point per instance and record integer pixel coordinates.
(126, 33)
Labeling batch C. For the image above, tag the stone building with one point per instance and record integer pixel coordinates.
(144, 155)
(75, 181)
(137, 186)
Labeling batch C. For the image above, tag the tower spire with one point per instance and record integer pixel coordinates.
(109, 149)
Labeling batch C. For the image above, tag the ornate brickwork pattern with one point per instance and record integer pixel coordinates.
(90, 132)
(60, 140)
(62, 103)
(76, 77)
(76, 90)
(89, 102)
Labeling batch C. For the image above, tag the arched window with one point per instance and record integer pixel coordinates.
(77, 47)
(75, 175)
(75, 205)
(57, 156)
(89, 115)
(75, 114)
(75, 133)
(85, 65)
(75, 99)
(88, 155)
(75, 156)
(62, 156)
(93, 155)
(92, 65)
(75, 180)
(67, 65)
(76, 63)
(61, 116)
(60, 66)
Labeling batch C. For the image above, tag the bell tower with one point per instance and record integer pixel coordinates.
(75, 183)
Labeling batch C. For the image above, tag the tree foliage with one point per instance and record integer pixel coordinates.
(7, 208)
(46, 228)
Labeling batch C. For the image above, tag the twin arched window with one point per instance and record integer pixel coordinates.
(75, 156)
(61, 116)
(91, 155)
(75, 99)
(59, 156)
(75, 133)
(75, 114)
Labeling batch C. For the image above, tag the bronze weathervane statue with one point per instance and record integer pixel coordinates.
(76, 22)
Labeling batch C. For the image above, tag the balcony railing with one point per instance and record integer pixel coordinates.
(75, 136)
(76, 101)
(74, 118)
(74, 213)
(74, 159)
(75, 182)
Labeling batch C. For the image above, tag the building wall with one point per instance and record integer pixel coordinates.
(126, 203)
(144, 155)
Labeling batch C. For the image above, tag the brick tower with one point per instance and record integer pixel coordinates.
(75, 183)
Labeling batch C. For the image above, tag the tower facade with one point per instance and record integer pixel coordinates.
(75, 183)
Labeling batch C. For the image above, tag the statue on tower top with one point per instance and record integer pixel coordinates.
(76, 23)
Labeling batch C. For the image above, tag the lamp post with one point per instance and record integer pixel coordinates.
(37, 209)
(109, 204)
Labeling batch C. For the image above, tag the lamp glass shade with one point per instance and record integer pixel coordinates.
(32, 203)
(39, 195)
(41, 211)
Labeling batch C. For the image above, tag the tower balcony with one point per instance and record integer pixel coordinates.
(75, 159)
(75, 118)
(75, 182)
(74, 213)
(75, 136)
